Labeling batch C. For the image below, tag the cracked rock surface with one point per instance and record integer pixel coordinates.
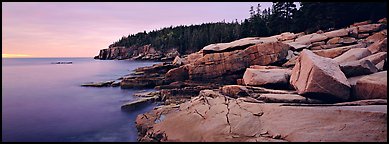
(212, 116)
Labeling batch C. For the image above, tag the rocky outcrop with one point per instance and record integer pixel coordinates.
(213, 117)
(319, 77)
(146, 52)
(222, 93)
(147, 77)
(98, 84)
(218, 64)
(372, 86)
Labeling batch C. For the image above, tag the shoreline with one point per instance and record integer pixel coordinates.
(268, 89)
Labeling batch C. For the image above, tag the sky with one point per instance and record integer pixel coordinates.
(80, 29)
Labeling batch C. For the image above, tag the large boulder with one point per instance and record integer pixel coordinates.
(372, 86)
(218, 64)
(356, 68)
(319, 77)
(353, 55)
(259, 77)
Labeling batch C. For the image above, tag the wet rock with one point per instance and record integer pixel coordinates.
(98, 84)
(372, 86)
(138, 103)
(319, 77)
(116, 83)
(141, 82)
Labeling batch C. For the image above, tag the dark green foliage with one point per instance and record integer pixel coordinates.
(281, 17)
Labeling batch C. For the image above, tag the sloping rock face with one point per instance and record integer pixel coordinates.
(318, 76)
(213, 117)
(353, 55)
(218, 64)
(372, 86)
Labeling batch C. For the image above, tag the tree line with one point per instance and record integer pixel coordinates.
(280, 17)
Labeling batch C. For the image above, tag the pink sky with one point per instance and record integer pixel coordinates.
(82, 29)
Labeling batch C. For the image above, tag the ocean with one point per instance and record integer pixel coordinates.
(44, 102)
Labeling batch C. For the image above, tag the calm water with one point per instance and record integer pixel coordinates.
(45, 102)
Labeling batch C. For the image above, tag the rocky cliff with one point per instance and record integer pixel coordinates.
(146, 52)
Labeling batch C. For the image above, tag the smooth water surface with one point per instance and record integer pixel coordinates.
(45, 102)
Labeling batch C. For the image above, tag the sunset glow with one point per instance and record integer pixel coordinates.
(15, 55)
(66, 29)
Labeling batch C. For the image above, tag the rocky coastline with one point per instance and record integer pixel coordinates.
(323, 86)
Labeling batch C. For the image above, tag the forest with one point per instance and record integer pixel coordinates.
(281, 17)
